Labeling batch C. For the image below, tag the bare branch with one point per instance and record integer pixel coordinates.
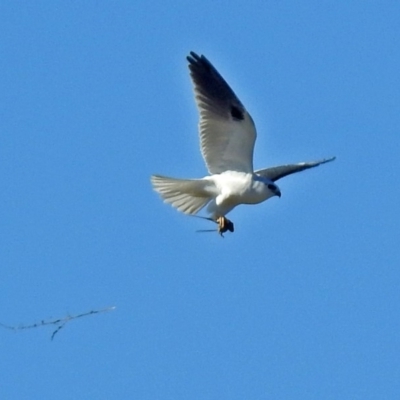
(60, 322)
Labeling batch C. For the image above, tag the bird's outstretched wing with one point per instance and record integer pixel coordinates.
(275, 173)
(227, 131)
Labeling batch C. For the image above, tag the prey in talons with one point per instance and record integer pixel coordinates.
(224, 225)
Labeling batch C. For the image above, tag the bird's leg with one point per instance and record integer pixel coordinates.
(224, 224)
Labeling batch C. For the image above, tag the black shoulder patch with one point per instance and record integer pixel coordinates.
(237, 113)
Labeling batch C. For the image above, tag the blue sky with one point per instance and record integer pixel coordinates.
(301, 302)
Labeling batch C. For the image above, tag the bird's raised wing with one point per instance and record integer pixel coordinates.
(227, 131)
(275, 173)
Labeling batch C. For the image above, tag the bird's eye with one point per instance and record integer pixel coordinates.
(271, 187)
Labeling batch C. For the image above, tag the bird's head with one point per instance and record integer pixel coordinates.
(269, 185)
(272, 187)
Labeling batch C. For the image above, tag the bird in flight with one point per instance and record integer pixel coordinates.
(227, 137)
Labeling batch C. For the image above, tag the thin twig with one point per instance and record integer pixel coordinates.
(60, 322)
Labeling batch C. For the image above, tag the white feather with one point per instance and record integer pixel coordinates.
(187, 195)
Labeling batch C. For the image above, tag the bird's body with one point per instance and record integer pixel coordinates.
(222, 192)
(227, 138)
(234, 188)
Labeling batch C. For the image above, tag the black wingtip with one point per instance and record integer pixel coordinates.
(193, 58)
(328, 159)
(200, 61)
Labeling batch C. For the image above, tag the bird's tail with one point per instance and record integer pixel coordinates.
(187, 195)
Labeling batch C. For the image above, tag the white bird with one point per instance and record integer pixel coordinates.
(227, 138)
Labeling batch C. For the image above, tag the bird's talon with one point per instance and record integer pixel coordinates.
(224, 224)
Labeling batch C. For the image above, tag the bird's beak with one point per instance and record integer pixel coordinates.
(278, 193)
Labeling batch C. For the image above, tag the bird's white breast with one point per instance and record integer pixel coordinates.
(239, 188)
